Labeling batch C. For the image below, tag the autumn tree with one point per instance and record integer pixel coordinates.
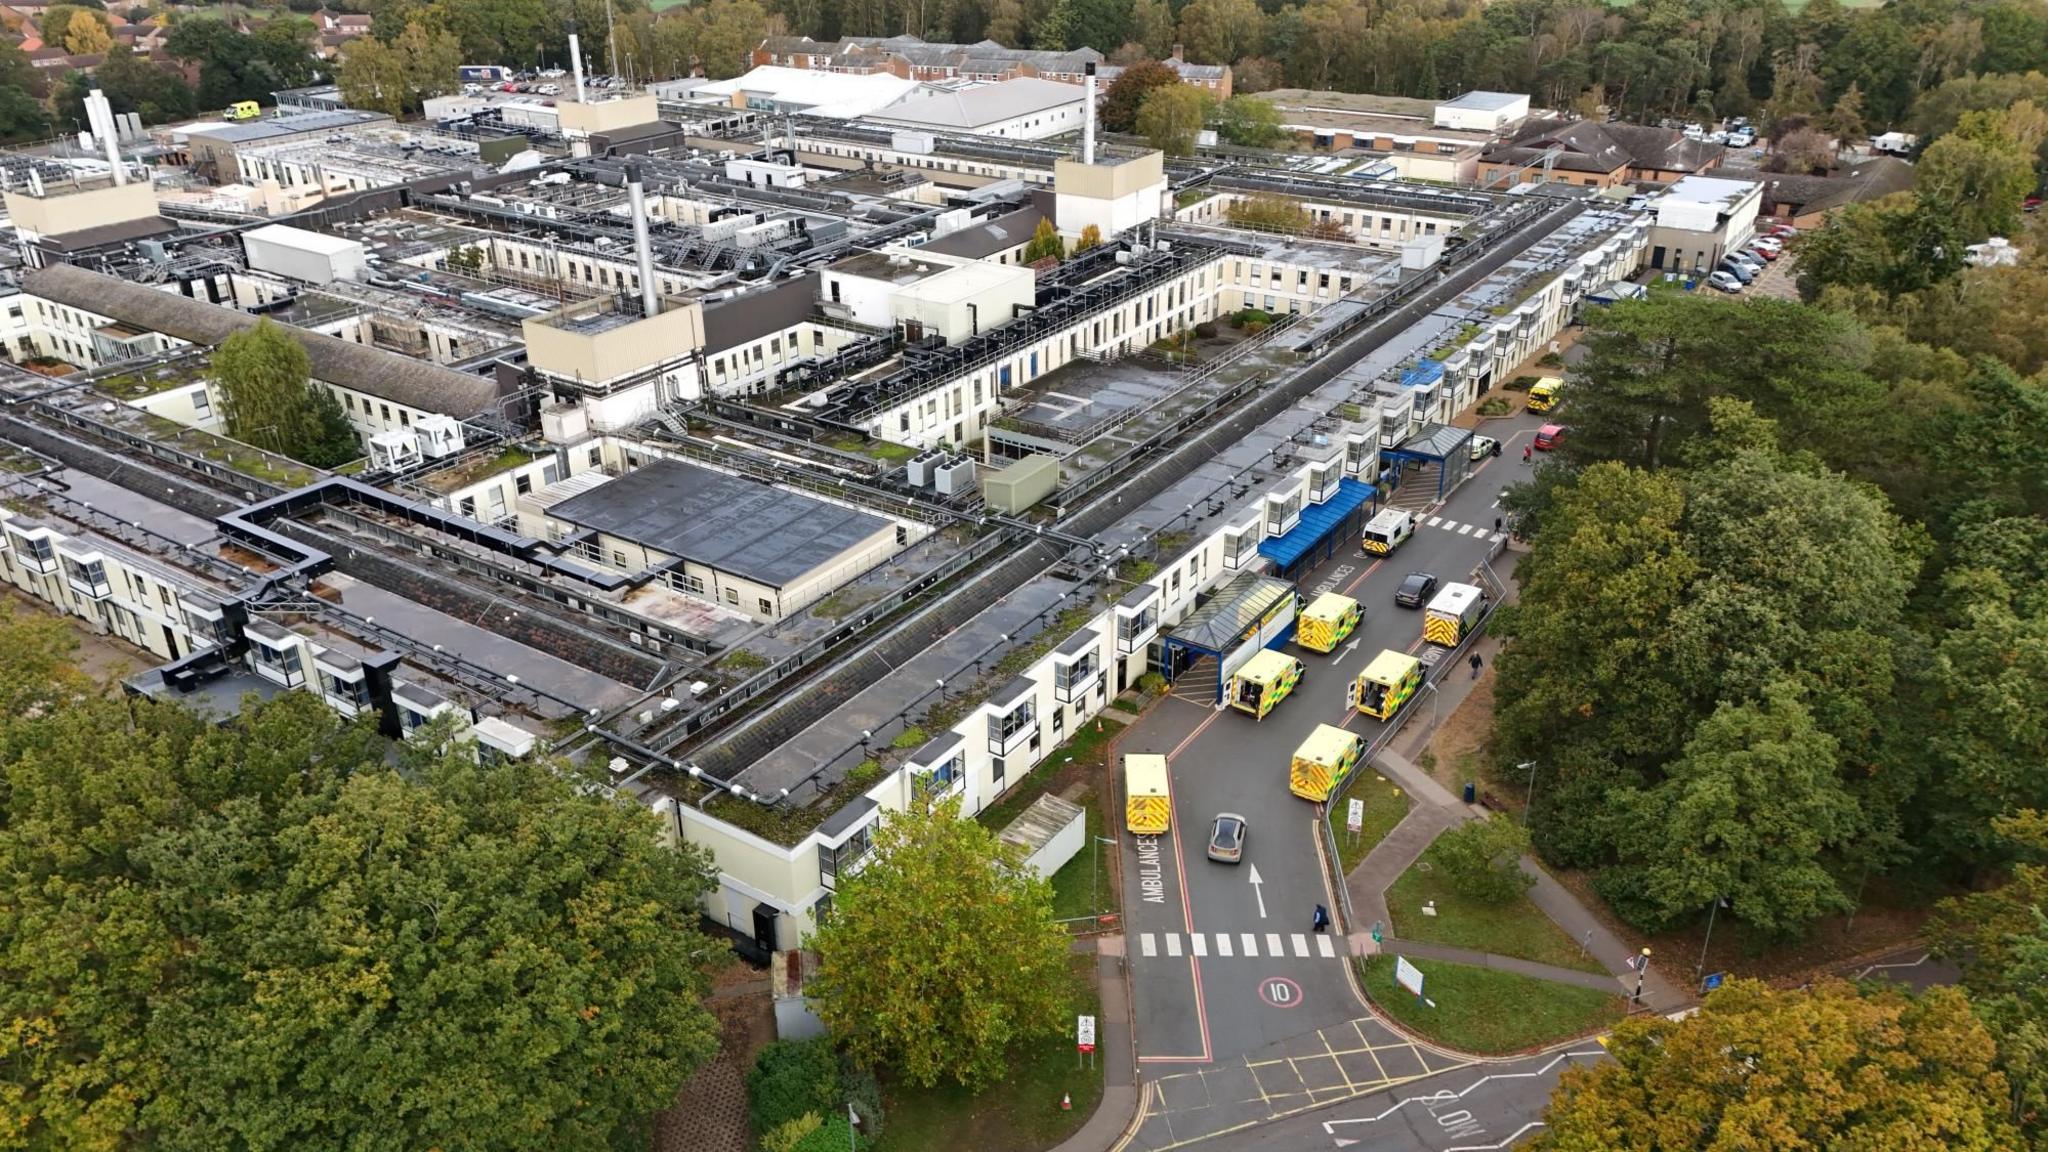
(86, 35)
(1222, 31)
(266, 934)
(941, 956)
(1127, 93)
(1482, 859)
(1151, 27)
(1171, 118)
(1825, 1067)
(1045, 244)
(1090, 237)
(270, 401)
(1979, 174)
(399, 75)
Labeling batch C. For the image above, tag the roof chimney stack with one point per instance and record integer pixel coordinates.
(643, 248)
(576, 61)
(1088, 115)
(99, 115)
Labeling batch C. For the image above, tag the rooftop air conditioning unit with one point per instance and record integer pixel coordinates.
(955, 477)
(921, 466)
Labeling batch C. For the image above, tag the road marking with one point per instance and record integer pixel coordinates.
(1223, 943)
(1259, 890)
(1348, 650)
(1251, 944)
(1173, 943)
(1324, 946)
(1497, 537)
(1199, 942)
(1433, 521)
(1430, 1101)
(1466, 529)
(1273, 947)
(1300, 944)
(1147, 946)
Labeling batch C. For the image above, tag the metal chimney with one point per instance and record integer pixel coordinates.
(643, 249)
(1088, 116)
(576, 61)
(100, 115)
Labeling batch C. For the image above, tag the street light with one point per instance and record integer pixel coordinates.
(1700, 969)
(1531, 801)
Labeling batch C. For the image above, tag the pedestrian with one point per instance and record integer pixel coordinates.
(1496, 525)
(1526, 452)
(1321, 920)
(1496, 449)
(1476, 662)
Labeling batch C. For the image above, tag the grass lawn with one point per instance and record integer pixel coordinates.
(1021, 1114)
(1488, 1012)
(1078, 758)
(1385, 804)
(1517, 928)
(1082, 887)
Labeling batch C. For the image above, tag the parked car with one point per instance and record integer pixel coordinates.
(1769, 254)
(1724, 282)
(1549, 436)
(1781, 232)
(1483, 446)
(1415, 590)
(1740, 271)
(1741, 138)
(1226, 838)
(1768, 244)
(1745, 256)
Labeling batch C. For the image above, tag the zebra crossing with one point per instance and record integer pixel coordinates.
(1476, 531)
(1244, 945)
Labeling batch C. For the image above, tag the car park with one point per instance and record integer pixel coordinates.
(1724, 282)
(1226, 838)
(1415, 590)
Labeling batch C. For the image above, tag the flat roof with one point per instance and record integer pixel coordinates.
(302, 239)
(898, 268)
(1708, 190)
(1486, 101)
(750, 529)
(249, 131)
(977, 107)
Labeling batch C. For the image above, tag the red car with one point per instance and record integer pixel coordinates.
(1548, 436)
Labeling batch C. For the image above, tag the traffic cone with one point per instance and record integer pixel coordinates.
(1066, 1101)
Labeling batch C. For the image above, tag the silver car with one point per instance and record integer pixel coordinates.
(1226, 838)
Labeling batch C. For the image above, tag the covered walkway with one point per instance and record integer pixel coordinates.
(1444, 445)
(1322, 530)
(1248, 612)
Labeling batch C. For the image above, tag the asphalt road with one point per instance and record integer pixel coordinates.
(1474, 1109)
(1202, 993)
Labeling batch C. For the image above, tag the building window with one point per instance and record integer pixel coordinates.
(732, 596)
(354, 693)
(767, 607)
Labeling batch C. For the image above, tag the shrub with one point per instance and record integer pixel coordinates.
(1206, 330)
(790, 1078)
(865, 1094)
(1151, 683)
(1496, 406)
(1482, 860)
(831, 1136)
(789, 1136)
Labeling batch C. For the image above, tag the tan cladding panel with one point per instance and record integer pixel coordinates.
(607, 115)
(63, 211)
(597, 357)
(1108, 181)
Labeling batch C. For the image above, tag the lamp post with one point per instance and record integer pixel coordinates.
(1531, 801)
(1700, 969)
(1642, 967)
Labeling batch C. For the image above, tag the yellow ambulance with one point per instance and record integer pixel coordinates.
(1147, 807)
(1264, 681)
(1324, 759)
(1326, 622)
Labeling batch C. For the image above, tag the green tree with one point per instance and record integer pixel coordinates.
(270, 401)
(1171, 118)
(1744, 816)
(397, 77)
(985, 971)
(22, 117)
(1482, 859)
(1896, 245)
(131, 83)
(1826, 1067)
(1222, 31)
(1128, 91)
(1979, 174)
(263, 935)
(236, 66)
(1151, 26)
(1248, 122)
